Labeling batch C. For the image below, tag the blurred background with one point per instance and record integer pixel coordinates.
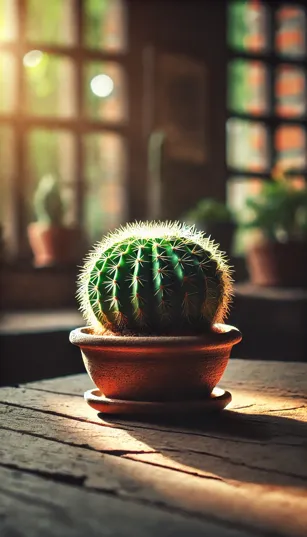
(116, 110)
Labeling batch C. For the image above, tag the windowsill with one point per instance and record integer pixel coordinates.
(29, 322)
(26, 288)
(248, 290)
(35, 345)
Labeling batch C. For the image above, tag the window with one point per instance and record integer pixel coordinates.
(267, 95)
(63, 110)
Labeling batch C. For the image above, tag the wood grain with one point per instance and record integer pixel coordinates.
(242, 472)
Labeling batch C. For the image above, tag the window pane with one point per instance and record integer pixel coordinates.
(247, 145)
(105, 171)
(248, 87)
(7, 170)
(291, 31)
(238, 190)
(105, 25)
(51, 22)
(298, 181)
(7, 82)
(290, 91)
(290, 142)
(50, 85)
(52, 152)
(105, 91)
(247, 24)
(8, 20)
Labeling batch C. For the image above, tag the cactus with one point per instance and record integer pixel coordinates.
(48, 204)
(154, 278)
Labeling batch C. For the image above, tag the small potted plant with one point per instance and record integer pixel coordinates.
(216, 220)
(52, 242)
(278, 256)
(155, 296)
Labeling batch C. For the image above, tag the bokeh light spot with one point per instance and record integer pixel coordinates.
(32, 58)
(102, 85)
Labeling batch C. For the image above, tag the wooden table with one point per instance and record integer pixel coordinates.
(66, 471)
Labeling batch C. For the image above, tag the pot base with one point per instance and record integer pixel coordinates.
(218, 400)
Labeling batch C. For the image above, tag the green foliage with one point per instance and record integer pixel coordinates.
(237, 24)
(242, 24)
(46, 21)
(240, 91)
(95, 13)
(48, 204)
(44, 151)
(45, 85)
(279, 211)
(210, 210)
(155, 278)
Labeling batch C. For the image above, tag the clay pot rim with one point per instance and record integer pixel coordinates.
(221, 335)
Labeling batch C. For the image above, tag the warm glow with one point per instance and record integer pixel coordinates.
(102, 85)
(32, 58)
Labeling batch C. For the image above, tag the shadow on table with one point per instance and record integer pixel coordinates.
(258, 448)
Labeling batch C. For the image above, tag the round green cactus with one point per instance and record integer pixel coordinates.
(153, 278)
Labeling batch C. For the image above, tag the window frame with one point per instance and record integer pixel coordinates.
(270, 60)
(23, 121)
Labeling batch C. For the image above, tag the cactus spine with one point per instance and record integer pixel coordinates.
(154, 279)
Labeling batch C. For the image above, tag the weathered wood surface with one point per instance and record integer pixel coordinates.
(65, 470)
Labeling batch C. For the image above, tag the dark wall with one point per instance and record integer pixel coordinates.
(180, 49)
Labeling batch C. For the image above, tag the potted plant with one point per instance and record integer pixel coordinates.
(279, 255)
(216, 220)
(155, 296)
(51, 241)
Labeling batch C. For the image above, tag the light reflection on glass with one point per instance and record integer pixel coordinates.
(102, 85)
(108, 81)
(32, 58)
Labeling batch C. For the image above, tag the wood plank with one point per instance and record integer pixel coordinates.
(198, 488)
(34, 506)
(245, 468)
(240, 505)
(232, 457)
(239, 445)
(260, 400)
(265, 397)
(273, 377)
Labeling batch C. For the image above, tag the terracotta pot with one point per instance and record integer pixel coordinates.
(278, 264)
(52, 245)
(156, 368)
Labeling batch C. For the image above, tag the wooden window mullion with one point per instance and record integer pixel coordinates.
(271, 27)
(272, 121)
(20, 248)
(80, 187)
(23, 122)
